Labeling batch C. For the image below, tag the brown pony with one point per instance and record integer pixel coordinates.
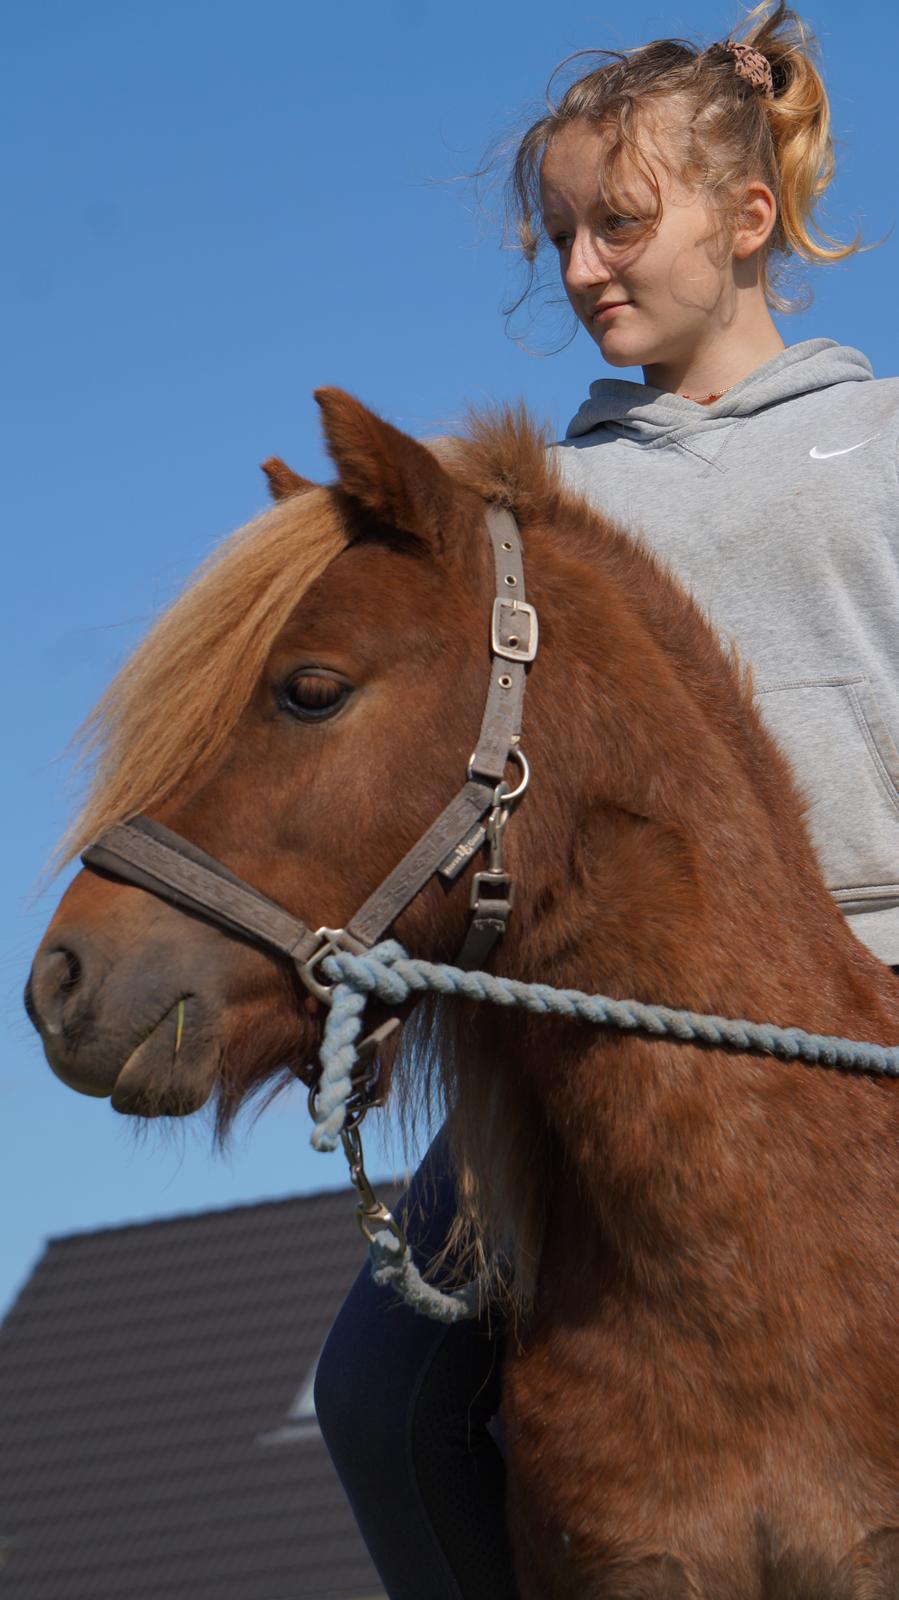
(702, 1393)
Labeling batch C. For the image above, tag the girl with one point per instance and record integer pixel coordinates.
(673, 183)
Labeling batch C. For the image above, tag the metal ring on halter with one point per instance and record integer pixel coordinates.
(334, 940)
(514, 795)
(502, 794)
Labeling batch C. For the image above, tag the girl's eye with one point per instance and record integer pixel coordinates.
(615, 222)
(313, 696)
(561, 241)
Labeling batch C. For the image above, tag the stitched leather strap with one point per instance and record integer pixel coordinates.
(511, 619)
(500, 731)
(152, 857)
(422, 861)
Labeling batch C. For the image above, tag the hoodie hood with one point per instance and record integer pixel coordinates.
(640, 412)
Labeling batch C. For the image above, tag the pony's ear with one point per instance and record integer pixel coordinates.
(387, 471)
(282, 480)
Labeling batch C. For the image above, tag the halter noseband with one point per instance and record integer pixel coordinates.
(146, 854)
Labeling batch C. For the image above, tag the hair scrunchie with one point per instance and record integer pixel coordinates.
(748, 63)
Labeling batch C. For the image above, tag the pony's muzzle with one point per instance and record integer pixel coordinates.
(148, 1043)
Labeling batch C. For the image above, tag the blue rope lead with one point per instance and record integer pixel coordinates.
(390, 974)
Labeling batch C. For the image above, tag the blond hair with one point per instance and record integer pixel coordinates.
(729, 133)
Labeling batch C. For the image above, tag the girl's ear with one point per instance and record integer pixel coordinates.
(282, 480)
(758, 215)
(389, 473)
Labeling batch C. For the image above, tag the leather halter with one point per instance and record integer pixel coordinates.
(146, 854)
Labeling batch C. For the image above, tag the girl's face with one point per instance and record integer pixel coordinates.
(652, 300)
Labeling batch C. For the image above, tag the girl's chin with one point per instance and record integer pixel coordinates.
(618, 346)
(621, 352)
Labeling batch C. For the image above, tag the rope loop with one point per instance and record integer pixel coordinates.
(390, 974)
(393, 1268)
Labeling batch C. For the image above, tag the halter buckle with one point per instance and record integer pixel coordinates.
(516, 651)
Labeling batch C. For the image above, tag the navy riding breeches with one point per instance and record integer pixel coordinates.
(404, 1405)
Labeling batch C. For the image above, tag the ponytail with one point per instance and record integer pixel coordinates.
(798, 115)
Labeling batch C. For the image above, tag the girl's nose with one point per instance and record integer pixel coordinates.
(586, 264)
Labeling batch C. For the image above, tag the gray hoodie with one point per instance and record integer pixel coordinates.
(778, 507)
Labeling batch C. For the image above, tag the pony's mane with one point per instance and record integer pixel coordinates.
(503, 456)
(173, 706)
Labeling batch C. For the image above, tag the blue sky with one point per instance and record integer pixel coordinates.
(212, 208)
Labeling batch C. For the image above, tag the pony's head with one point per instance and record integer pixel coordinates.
(302, 713)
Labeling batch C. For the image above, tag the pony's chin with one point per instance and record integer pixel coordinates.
(172, 1072)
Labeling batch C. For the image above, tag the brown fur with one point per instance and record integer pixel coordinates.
(282, 480)
(703, 1246)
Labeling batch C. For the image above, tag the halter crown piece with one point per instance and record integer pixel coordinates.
(748, 63)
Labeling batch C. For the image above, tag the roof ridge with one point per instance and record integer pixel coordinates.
(272, 1203)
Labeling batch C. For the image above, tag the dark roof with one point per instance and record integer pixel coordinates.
(146, 1374)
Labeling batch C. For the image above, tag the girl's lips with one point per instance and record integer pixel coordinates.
(602, 313)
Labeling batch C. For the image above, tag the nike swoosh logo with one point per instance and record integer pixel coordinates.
(825, 455)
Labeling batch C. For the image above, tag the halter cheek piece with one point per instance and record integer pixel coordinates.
(152, 857)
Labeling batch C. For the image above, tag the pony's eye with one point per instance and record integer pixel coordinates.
(312, 696)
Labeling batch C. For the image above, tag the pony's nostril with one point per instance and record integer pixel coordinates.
(55, 976)
(72, 975)
(28, 1000)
